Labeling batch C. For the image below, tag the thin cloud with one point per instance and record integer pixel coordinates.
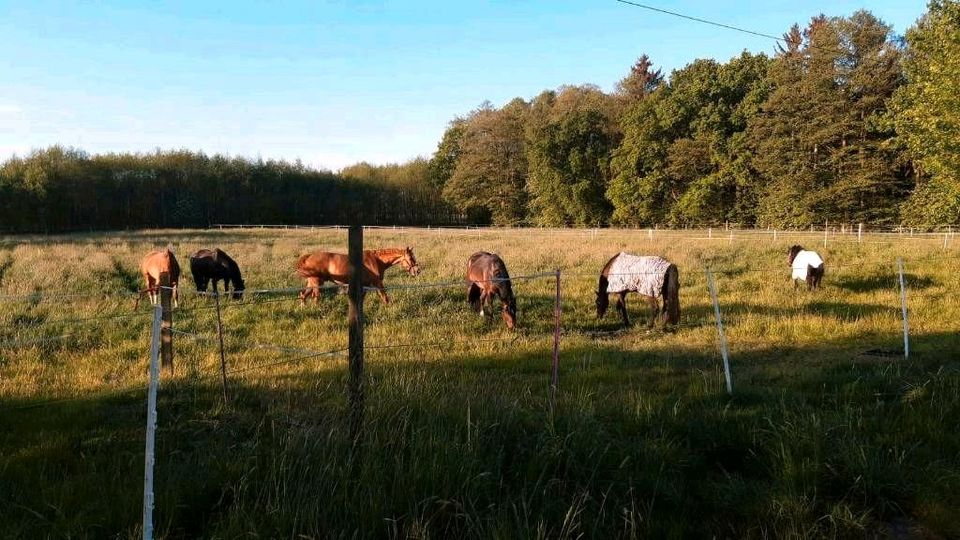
(6, 108)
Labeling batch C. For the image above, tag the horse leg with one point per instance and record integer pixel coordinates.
(151, 284)
(176, 296)
(622, 307)
(381, 291)
(654, 308)
(316, 291)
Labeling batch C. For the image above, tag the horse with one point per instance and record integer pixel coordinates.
(321, 266)
(488, 277)
(651, 277)
(806, 265)
(154, 264)
(216, 265)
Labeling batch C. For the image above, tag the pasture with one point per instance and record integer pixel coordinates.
(829, 431)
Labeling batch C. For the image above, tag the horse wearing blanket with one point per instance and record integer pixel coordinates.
(651, 277)
(806, 266)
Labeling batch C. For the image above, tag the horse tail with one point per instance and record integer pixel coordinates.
(603, 300)
(671, 295)
(473, 296)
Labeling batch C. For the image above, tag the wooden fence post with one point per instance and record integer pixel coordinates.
(223, 355)
(555, 369)
(903, 308)
(148, 454)
(720, 333)
(355, 320)
(166, 327)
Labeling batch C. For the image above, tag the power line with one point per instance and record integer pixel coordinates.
(712, 23)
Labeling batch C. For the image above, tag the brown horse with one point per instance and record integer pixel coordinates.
(321, 266)
(154, 264)
(651, 277)
(488, 277)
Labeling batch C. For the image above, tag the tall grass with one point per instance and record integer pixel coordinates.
(828, 433)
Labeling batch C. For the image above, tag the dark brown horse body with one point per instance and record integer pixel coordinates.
(215, 265)
(156, 263)
(488, 278)
(322, 266)
(662, 281)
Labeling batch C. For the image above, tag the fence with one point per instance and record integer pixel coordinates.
(201, 329)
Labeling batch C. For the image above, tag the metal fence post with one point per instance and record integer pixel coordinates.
(148, 456)
(223, 355)
(555, 369)
(720, 333)
(903, 308)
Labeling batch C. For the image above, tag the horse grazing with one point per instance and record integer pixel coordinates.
(214, 265)
(488, 277)
(806, 265)
(154, 264)
(321, 266)
(651, 277)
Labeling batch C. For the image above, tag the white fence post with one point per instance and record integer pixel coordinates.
(148, 458)
(720, 333)
(903, 308)
(860, 233)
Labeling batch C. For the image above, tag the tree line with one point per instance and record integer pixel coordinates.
(844, 122)
(64, 189)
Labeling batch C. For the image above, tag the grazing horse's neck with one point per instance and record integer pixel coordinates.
(388, 257)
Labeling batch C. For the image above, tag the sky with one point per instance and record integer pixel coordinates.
(336, 82)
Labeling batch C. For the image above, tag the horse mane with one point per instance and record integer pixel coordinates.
(792, 253)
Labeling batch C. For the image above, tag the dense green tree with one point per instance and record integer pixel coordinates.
(491, 167)
(570, 135)
(928, 115)
(444, 160)
(682, 158)
(821, 140)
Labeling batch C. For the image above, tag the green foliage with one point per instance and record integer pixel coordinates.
(928, 115)
(681, 160)
(60, 189)
(491, 167)
(569, 139)
(820, 140)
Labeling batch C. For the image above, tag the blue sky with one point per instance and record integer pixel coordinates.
(333, 83)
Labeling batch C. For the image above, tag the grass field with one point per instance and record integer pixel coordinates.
(829, 432)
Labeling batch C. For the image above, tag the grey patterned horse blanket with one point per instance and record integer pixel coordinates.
(644, 274)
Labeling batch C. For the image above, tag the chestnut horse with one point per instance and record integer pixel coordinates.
(321, 266)
(214, 265)
(488, 277)
(154, 264)
(651, 277)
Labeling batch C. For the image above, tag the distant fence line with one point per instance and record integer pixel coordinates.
(828, 233)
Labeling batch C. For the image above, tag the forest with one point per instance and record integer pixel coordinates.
(845, 122)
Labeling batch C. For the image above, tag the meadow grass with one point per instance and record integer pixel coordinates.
(829, 432)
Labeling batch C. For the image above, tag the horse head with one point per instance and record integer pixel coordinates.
(792, 253)
(409, 262)
(238, 287)
(510, 312)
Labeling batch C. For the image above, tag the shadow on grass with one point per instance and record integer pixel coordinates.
(468, 447)
(878, 282)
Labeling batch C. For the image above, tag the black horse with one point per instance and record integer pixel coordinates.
(207, 265)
